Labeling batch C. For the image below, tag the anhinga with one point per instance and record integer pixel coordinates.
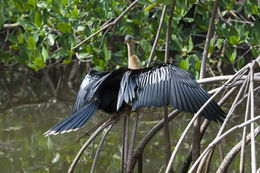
(160, 85)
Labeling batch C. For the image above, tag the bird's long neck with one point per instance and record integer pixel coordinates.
(133, 60)
(130, 48)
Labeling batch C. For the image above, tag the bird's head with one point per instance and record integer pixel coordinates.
(129, 39)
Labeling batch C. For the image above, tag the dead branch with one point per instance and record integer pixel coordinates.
(157, 36)
(234, 151)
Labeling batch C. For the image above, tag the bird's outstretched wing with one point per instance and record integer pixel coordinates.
(85, 105)
(75, 121)
(88, 88)
(166, 85)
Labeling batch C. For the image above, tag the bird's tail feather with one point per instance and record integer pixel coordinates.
(75, 121)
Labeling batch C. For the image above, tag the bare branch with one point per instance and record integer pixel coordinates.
(251, 89)
(209, 35)
(234, 151)
(157, 36)
(11, 25)
(216, 140)
(83, 148)
(99, 148)
(132, 142)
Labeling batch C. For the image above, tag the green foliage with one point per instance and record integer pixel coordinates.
(50, 29)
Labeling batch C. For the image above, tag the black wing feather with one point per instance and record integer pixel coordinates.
(75, 121)
(88, 88)
(163, 85)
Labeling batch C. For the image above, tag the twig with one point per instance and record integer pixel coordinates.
(157, 36)
(125, 144)
(209, 35)
(83, 148)
(11, 25)
(243, 142)
(99, 148)
(234, 151)
(108, 25)
(122, 164)
(226, 77)
(132, 142)
(253, 152)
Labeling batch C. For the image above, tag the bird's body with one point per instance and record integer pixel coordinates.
(159, 85)
(138, 87)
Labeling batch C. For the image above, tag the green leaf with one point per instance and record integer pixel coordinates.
(166, 2)
(33, 66)
(185, 64)
(255, 9)
(80, 28)
(64, 27)
(74, 12)
(67, 60)
(32, 3)
(64, 2)
(233, 56)
(2, 17)
(107, 53)
(31, 43)
(255, 52)
(234, 40)
(149, 7)
(176, 43)
(190, 45)
(51, 39)
(38, 18)
(197, 65)
(12, 38)
(241, 62)
(219, 43)
(5, 56)
(45, 54)
(20, 36)
(39, 62)
(211, 46)
(83, 56)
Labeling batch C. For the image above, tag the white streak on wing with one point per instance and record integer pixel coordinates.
(85, 82)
